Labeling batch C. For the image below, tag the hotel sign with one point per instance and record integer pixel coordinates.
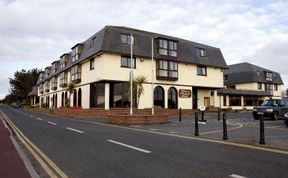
(184, 93)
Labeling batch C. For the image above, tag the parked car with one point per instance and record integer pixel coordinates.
(272, 108)
(286, 119)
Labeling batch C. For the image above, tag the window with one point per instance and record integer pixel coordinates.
(269, 76)
(159, 96)
(225, 77)
(75, 74)
(172, 98)
(94, 41)
(97, 95)
(269, 88)
(63, 80)
(201, 70)
(54, 67)
(47, 72)
(167, 69)
(235, 100)
(250, 101)
(126, 39)
(167, 48)
(54, 83)
(276, 87)
(47, 86)
(92, 64)
(200, 52)
(63, 61)
(76, 53)
(259, 86)
(120, 94)
(126, 62)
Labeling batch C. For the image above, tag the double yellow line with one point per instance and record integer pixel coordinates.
(49, 166)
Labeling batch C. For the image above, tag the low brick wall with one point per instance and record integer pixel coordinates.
(137, 119)
(102, 113)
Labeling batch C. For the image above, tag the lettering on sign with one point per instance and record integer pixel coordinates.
(184, 93)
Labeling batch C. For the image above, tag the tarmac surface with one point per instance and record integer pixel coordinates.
(11, 165)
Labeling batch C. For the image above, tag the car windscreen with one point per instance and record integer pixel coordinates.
(270, 103)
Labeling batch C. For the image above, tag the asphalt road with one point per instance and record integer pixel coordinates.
(87, 149)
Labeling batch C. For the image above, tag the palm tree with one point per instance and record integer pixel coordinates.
(70, 89)
(138, 88)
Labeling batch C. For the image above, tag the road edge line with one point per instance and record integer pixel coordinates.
(35, 151)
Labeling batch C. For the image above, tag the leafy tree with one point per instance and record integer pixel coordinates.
(22, 83)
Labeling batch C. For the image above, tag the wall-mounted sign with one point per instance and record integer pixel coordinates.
(184, 93)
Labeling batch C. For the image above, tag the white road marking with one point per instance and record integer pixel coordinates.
(75, 130)
(53, 123)
(237, 176)
(38, 118)
(129, 146)
(31, 116)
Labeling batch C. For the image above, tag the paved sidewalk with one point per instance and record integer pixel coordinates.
(11, 165)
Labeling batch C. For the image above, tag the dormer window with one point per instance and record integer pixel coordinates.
(76, 53)
(47, 86)
(126, 39)
(41, 76)
(54, 67)
(167, 48)
(47, 72)
(269, 76)
(63, 61)
(93, 41)
(200, 52)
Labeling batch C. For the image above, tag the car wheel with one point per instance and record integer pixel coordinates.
(275, 116)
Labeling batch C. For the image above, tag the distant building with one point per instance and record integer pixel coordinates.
(186, 74)
(247, 85)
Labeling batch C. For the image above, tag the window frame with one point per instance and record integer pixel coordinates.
(63, 79)
(166, 67)
(201, 67)
(126, 39)
(166, 49)
(75, 73)
(92, 64)
(201, 52)
(127, 62)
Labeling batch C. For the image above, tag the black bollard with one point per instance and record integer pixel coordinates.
(262, 134)
(219, 114)
(225, 137)
(196, 125)
(202, 116)
(180, 114)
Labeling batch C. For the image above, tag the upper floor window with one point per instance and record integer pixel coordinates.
(276, 87)
(167, 48)
(54, 67)
(167, 69)
(63, 79)
(225, 77)
(269, 76)
(63, 61)
(259, 86)
(269, 88)
(54, 83)
(201, 70)
(76, 74)
(126, 62)
(76, 53)
(41, 76)
(93, 41)
(126, 39)
(47, 72)
(92, 64)
(200, 52)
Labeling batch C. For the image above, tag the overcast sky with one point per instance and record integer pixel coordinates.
(34, 33)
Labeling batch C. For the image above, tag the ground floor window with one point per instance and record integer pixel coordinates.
(97, 95)
(250, 101)
(172, 98)
(159, 97)
(119, 94)
(74, 98)
(234, 100)
(224, 100)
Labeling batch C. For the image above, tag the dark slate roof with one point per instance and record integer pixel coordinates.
(108, 40)
(34, 91)
(242, 92)
(246, 73)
